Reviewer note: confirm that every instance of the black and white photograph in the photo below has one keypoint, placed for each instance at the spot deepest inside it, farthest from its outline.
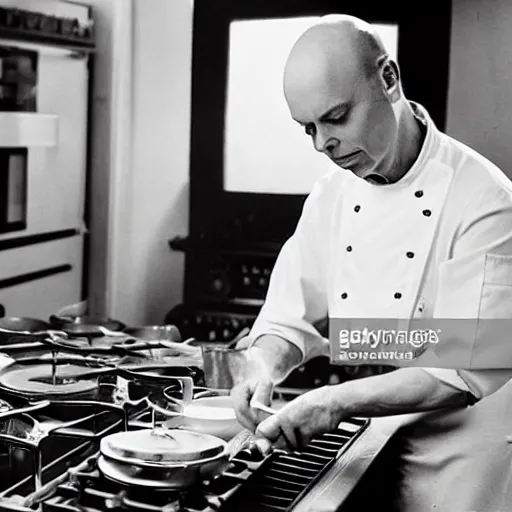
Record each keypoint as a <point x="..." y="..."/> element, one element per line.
<point x="255" y="256"/>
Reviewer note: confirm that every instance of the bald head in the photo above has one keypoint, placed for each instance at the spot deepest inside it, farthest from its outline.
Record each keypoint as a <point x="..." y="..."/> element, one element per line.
<point x="345" y="92"/>
<point x="338" y="45"/>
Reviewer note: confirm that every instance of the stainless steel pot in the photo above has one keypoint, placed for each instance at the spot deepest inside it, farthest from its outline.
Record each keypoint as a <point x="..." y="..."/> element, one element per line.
<point x="223" y="367"/>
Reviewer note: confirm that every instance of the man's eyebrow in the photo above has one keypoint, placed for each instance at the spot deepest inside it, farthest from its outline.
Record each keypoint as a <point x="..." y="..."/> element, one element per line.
<point x="336" y="109"/>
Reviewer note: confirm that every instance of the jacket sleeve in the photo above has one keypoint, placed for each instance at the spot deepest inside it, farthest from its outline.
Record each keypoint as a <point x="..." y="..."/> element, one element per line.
<point x="478" y="284"/>
<point x="297" y="295"/>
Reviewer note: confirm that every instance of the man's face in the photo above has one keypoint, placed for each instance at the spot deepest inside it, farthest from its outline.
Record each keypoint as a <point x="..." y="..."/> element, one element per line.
<point x="349" y="117"/>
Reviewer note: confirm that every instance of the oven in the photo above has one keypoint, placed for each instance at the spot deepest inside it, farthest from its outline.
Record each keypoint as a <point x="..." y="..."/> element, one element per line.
<point x="44" y="102"/>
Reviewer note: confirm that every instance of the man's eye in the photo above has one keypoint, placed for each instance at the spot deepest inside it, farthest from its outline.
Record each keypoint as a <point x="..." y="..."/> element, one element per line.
<point x="337" y="120"/>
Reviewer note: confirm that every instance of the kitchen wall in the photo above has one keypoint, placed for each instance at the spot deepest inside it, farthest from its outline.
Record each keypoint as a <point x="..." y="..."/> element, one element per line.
<point x="161" y="125"/>
<point x="141" y="152"/>
<point x="480" y="93"/>
<point x="150" y="137"/>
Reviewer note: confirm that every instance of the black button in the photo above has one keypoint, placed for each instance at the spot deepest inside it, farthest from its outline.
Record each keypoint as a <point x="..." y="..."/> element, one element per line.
<point x="357" y="208"/>
<point x="398" y="295"/>
<point x="349" y="248"/>
<point x="410" y="254"/>
<point x="344" y="295"/>
<point x="418" y="193"/>
<point x="427" y="213"/>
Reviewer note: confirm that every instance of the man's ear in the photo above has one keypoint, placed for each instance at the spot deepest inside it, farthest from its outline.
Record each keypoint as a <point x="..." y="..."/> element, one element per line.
<point x="390" y="76"/>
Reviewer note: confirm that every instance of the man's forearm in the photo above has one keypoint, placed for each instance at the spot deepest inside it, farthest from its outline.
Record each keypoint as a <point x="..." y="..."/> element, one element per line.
<point x="279" y="355"/>
<point x="407" y="390"/>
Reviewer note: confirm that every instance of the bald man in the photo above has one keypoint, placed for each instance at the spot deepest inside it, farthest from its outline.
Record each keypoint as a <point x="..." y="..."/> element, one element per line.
<point x="412" y="224"/>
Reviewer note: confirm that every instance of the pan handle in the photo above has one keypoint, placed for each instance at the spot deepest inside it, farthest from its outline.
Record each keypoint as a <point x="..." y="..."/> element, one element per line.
<point x="187" y="392"/>
<point x="187" y="389"/>
<point x="164" y="412"/>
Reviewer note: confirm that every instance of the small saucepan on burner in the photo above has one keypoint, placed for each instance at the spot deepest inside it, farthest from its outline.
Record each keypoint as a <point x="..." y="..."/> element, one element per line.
<point x="223" y="366"/>
<point x="162" y="458"/>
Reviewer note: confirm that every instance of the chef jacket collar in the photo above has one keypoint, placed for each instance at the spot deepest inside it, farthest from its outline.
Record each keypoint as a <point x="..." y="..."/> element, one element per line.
<point x="429" y="147"/>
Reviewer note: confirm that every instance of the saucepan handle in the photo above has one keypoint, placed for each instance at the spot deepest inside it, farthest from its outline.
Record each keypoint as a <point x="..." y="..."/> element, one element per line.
<point x="187" y="392"/>
<point x="161" y="410"/>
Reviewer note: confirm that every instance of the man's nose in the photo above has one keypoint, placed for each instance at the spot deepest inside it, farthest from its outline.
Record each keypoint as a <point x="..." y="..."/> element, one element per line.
<point x="325" y="143"/>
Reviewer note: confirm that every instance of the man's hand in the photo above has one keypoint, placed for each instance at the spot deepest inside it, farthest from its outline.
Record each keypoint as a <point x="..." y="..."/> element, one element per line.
<point x="258" y="386"/>
<point x="269" y="361"/>
<point x="309" y="415"/>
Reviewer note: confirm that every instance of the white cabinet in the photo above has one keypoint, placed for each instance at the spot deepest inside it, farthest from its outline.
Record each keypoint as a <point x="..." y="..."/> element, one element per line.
<point x="38" y="280"/>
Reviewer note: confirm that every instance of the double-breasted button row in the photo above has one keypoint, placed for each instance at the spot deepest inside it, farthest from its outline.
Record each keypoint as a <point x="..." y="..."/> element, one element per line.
<point x="397" y="295"/>
<point x="426" y="212"/>
<point x="409" y="254"/>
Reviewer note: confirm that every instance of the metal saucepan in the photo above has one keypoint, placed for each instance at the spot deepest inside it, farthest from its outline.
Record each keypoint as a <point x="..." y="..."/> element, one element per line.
<point x="162" y="458"/>
<point x="223" y="366"/>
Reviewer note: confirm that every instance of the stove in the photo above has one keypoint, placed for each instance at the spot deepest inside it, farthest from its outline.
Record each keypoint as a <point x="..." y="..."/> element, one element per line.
<point x="50" y="459"/>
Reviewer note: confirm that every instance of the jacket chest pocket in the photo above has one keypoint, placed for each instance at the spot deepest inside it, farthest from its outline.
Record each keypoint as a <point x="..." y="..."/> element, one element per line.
<point x="475" y="297"/>
<point x="496" y="296"/>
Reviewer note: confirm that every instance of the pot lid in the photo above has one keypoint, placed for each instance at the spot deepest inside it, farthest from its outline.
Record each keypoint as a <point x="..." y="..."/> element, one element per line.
<point x="162" y="445"/>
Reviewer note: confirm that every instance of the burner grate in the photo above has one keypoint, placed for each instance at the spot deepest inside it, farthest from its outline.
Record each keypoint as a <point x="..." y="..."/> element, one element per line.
<point x="284" y="478"/>
<point x="87" y="490"/>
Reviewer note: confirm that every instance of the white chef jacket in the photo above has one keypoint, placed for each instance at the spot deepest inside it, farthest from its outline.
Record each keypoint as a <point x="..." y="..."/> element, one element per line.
<point x="436" y="244"/>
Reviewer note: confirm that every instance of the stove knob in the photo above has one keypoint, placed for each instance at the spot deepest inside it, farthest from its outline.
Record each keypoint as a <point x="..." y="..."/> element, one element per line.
<point x="218" y="283"/>
<point x="49" y="24"/>
<point x="13" y="18"/>
<point x="32" y="20"/>
<point x="68" y="27"/>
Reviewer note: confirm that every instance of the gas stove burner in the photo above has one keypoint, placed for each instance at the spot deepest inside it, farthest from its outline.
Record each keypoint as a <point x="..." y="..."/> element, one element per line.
<point x="39" y="436"/>
<point x="44" y="380"/>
